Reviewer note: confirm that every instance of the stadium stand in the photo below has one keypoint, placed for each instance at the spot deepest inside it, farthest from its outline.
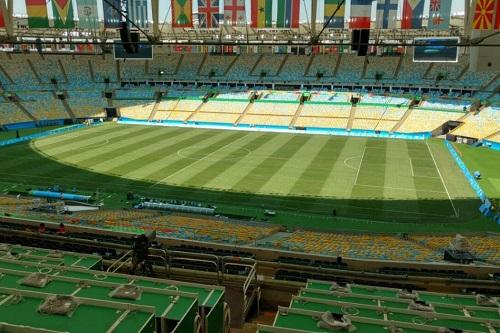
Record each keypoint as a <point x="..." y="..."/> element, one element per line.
<point x="384" y="66"/>
<point x="424" y="120"/>
<point x="326" y="305"/>
<point x="323" y="64"/>
<point x="480" y="124"/>
<point x="268" y="64"/>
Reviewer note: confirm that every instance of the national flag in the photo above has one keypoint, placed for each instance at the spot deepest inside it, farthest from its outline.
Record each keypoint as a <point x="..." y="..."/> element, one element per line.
<point x="87" y="14"/>
<point x="112" y="17"/>
<point x="208" y="14"/>
<point x="2" y="21"/>
<point x="360" y="14"/>
<point x="497" y="16"/>
<point x="338" y="20"/>
<point x="387" y="11"/>
<point x="262" y="13"/>
<point x="182" y="14"/>
<point x="234" y="12"/>
<point x="37" y="13"/>
<point x="413" y="11"/>
<point x="483" y="15"/>
<point x="137" y="11"/>
<point x="439" y="14"/>
<point x="63" y="14"/>
<point x="288" y="14"/>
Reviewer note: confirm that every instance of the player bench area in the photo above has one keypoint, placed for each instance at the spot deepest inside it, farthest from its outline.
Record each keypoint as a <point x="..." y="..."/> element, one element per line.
<point x="178" y="306"/>
<point x="323" y="305"/>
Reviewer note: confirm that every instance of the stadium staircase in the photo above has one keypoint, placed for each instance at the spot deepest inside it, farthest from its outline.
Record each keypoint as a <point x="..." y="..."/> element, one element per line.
<point x="231" y="65"/>
<point x="155" y="107"/>
<point x="118" y="71"/>
<point x="398" y="67"/>
<point x="365" y="67"/>
<point x="250" y="105"/>
<point x="282" y="65"/>
<point x="256" y="64"/>
<point x="296" y="115"/>
<point x="24" y="110"/>
<point x="462" y="72"/>
<point x="6" y="75"/>
<point x="68" y="109"/>
<point x="428" y="71"/>
<point x="198" y="71"/>
<point x="91" y="71"/>
<point x="308" y="67"/>
<point x="63" y="71"/>
<point x="30" y="64"/>
<point x="492" y="135"/>
<point x="195" y="112"/>
<point x="337" y="65"/>
<point x="402" y="120"/>
<point x="181" y="58"/>
<point x="352" y="115"/>
<point x="489" y="83"/>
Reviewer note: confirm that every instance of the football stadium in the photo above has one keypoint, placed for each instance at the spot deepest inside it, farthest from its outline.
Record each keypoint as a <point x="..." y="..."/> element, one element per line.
<point x="272" y="166"/>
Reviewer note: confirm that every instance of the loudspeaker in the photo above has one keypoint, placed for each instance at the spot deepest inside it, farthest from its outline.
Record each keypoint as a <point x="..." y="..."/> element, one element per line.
<point x="355" y="40"/>
<point x="363" y="42"/>
<point x="129" y="40"/>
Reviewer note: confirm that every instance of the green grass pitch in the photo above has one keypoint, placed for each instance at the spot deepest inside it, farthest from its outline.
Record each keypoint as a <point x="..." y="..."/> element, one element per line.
<point x="406" y="185"/>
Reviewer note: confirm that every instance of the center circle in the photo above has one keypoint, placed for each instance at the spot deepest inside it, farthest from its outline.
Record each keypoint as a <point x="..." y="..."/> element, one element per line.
<point x="223" y="153"/>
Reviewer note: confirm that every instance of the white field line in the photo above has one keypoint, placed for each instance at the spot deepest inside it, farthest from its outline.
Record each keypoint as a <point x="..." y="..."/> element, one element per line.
<point x="411" y="168"/>
<point x="442" y="180"/>
<point x="359" y="168"/>
<point x="197" y="161"/>
<point x="399" y="188"/>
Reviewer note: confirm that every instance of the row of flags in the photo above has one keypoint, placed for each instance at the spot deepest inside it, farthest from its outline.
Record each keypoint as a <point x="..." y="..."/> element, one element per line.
<point x="486" y="13"/>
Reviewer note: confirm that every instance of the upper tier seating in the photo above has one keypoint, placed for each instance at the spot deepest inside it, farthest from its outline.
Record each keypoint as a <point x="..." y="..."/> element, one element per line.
<point x="351" y="68"/>
<point x="189" y="66"/>
<point x="131" y="70"/>
<point x="386" y="66"/>
<point x="294" y="67"/>
<point x="104" y="68"/>
<point x="164" y="62"/>
<point x="242" y="67"/>
<point x="269" y="64"/>
<point x="324" y="64"/>
<point x="216" y="65"/>
<point x="48" y="68"/>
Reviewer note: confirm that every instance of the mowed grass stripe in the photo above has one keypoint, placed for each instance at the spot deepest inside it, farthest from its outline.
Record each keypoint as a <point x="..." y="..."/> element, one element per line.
<point x="69" y="138"/>
<point x="371" y="173"/>
<point x="290" y="172"/>
<point x="237" y="171"/>
<point x="159" y="153"/>
<point x="399" y="186"/>
<point x="314" y="177"/>
<point x="217" y="168"/>
<point x="137" y="163"/>
<point x="214" y="143"/>
<point x="347" y="156"/>
<point x="109" y="156"/>
<point x="204" y="159"/>
<point x="98" y="141"/>
<point x="260" y="175"/>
